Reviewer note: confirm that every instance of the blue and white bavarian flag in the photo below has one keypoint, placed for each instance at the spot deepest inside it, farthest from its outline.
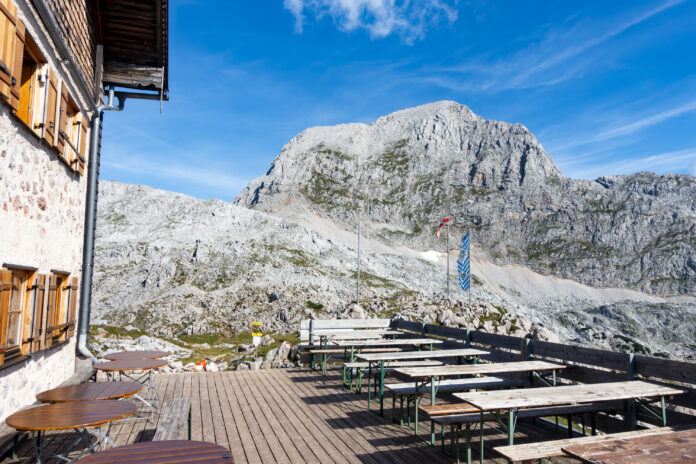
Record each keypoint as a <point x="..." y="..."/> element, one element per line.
<point x="463" y="263"/>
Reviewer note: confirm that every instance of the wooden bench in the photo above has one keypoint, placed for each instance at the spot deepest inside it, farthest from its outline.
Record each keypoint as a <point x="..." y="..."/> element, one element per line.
<point x="311" y="330"/>
<point x="531" y="452"/>
<point x="354" y="366"/>
<point x="466" y="419"/>
<point x="174" y="420"/>
<point x="325" y="352"/>
<point x="407" y="390"/>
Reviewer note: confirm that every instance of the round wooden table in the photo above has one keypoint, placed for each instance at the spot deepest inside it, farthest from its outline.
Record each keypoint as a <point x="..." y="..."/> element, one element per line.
<point x="79" y="416"/>
<point x="161" y="452"/>
<point x="90" y="391"/>
<point x="131" y="364"/>
<point x="124" y="366"/>
<point x="148" y="354"/>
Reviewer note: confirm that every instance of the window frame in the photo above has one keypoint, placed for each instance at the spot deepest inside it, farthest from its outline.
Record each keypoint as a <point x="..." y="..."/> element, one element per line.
<point x="34" y="107"/>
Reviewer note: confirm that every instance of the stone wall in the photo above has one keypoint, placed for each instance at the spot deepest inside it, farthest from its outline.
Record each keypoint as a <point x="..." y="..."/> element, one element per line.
<point x="20" y="383"/>
<point x="41" y="202"/>
<point x="42" y="206"/>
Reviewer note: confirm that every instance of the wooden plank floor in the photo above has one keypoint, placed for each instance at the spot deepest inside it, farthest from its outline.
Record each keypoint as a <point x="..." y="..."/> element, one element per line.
<point x="290" y="416"/>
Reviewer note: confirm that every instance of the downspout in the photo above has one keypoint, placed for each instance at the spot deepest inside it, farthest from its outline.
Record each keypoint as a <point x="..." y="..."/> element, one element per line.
<point x="90" y="223"/>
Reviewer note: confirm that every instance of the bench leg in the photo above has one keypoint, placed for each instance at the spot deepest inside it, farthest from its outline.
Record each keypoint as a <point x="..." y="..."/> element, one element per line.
<point x="481" y="437"/>
<point x="569" y="418"/>
<point x="593" y="423"/>
<point x="468" y="443"/>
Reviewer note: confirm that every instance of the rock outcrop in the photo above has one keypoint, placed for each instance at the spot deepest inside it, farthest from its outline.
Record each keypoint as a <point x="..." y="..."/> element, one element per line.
<point x="409" y="169"/>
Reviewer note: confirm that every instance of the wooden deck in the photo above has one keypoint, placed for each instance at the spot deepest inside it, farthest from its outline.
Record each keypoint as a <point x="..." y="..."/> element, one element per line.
<point x="290" y="416"/>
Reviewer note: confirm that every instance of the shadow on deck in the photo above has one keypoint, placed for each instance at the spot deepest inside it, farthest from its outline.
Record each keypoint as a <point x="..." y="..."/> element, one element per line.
<point x="291" y="416"/>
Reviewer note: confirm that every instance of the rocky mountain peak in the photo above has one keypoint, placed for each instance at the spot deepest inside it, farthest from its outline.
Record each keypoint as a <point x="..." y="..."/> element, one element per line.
<point x="409" y="169"/>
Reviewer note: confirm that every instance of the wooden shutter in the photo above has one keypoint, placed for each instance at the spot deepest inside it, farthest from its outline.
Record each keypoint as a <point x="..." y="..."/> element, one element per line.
<point x="62" y="123"/>
<point x="39" y="313"/>
<point x="72" y="311"/>
<point x="27" y="314"/>
<point x="17" y="59"/>
<point x="5" y="297"/>
<point x="8" y="33"/>
<point x="80" y="165"/>
<point x="50" y="127"/>
<point x="51" y="311"/>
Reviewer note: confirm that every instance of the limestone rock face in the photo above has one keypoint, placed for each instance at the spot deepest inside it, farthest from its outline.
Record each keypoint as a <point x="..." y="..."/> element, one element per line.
<point x="409" y="169"/>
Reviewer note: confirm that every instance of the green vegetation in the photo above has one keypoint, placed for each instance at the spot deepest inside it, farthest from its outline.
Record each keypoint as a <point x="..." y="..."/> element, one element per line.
<point x="315" y="306"/>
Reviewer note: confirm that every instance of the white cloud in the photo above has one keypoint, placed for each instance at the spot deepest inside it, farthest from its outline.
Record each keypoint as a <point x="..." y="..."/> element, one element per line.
<point x="669" y="162"/>
<point x="692" y="168"/>
<point x="565" y="52"/>
<point x="647" y="121"/>
<point x="213" y="178"/>
<point x="406" y="18"/>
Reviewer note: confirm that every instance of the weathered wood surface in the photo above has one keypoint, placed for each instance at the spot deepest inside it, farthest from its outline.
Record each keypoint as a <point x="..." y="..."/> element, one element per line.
<point x="341" y="351"/>
<point x="553" y="448"/>
<point x="452" y="385"/>
<point x="472" y="369"/>
<point x="159" y="452"/>
<point x="141" y="354"/>
<point x="388" y="342"/>
<point x="289" y="416"/>
<point x="423" y="354"/>
<point x="346" y="324"/>
<point x="565" y="394"/>
<point x="90" y="391"/>
<point x="132" y="364"/>
<point x="174" y="420"/>
<point x="667" y="448"/>
<point x="348" y="334"/>
<point x="421" y="362"/>
<point x="62" y="416"/>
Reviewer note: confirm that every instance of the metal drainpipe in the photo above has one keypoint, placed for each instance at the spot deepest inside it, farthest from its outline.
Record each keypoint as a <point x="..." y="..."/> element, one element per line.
<point x="90" y="224"/>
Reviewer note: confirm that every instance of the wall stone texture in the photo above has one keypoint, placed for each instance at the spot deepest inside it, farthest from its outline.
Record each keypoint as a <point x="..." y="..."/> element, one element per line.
<point x="42" y="207"/>
<point x="20" y="384"/>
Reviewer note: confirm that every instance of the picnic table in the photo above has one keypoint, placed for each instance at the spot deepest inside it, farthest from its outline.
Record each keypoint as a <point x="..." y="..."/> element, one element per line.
<point x="356" y="346"/>
<point x="378" y="361"/>
<point x="90" y="391"/>
<point x="163" y="452"/>
<point x="141" y="354"/>
<point x="669" y="448"/>
<point x="82" y="416"/>
<point x="509" y="402"/>
<point x="424" y="375"/>
<point x="125" y="367"/>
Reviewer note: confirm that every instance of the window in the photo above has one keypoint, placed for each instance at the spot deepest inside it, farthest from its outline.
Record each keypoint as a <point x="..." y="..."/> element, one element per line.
<point x="57" y="307"/>
<point x="29" y="86"/>
<point x="16" y="308"/>
<point x="69" y="133"/>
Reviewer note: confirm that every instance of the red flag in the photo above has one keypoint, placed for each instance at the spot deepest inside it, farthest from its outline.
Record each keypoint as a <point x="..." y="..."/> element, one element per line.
<point x="444" y="221"/>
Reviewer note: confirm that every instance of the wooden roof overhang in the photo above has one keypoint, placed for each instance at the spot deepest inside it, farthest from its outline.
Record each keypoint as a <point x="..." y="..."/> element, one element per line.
<point x="135" y="37"/>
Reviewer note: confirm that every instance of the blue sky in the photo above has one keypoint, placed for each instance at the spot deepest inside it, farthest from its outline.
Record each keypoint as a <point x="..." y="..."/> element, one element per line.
<point x="607" y="87"/>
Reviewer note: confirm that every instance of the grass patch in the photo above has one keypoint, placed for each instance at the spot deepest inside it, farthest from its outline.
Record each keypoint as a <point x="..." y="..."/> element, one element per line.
<point x="114" y="330"/>
<point x="315" y="306"/>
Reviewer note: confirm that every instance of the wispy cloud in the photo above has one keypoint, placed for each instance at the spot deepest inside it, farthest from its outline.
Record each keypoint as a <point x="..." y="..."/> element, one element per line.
<point x="381" y="18"/>
<point x="564" y="53"/>
<point x="212" y="178"/>
<point x="668" y="162"/>
<point x="648" y="121"/>
<point x="629" y="127"/>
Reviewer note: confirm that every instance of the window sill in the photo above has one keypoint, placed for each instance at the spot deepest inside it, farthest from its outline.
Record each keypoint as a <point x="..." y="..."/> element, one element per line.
<point x="15" y="362"/>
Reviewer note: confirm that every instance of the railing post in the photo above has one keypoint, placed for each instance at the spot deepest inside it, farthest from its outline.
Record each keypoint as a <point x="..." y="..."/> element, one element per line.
<point x="630" y="405"/>
<point x="423" y="325"/>
<point x="311" y="339"/>
<point x="468" y="338"/>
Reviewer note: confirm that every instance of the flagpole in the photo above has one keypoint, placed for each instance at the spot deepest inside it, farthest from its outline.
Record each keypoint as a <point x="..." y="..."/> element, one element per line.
<point x="448" y="262"/>
<point x="357" y="285"/>
<point x="471" y="281"/>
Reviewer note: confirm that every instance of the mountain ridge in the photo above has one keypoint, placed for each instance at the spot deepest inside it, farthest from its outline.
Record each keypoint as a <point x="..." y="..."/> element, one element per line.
<point x="408" y="169"/>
